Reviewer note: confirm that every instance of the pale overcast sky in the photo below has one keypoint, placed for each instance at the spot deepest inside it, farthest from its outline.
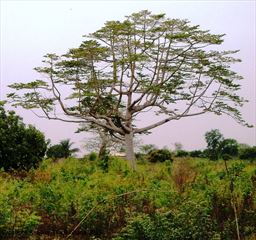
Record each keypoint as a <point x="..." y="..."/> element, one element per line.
<point x="30" y="29"/>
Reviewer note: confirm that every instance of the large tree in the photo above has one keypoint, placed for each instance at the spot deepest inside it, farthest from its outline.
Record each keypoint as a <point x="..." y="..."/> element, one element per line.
<point x="145" y="63"/>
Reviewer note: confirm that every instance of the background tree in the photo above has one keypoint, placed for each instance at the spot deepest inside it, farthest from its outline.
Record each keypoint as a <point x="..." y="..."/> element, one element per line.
<point x="66" y="148"/>
<point x="196" y="154"/>
<point x="146" y="148"/>
<point x="146" y="62"/>
<point x="213" y="139"/>
<point x="229" y="147"/>
<point x="218" y="146"/>
<point x="102" y="140"/>
<point x="178" y="146"/>
<point x="21" y="146"/>
<point x="159" y="155"/>
<point x="248" y="153"/>
<point x="54" y="152"/>
<point x="61" y="150"/>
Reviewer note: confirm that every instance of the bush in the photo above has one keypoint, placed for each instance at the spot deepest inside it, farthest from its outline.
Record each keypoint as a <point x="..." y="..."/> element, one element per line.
<point x="61" y="150"/>
<point x="196" y="154"/>
<point x="183" y="174"/>
<point x="181" y="153"/>
<point x="159" y="155"/>
<point x="21" y="147"/>
<point x="54" y="152"/>
<point x="93" y="156"/>
<point x="248" y="153"/>
<point x="189" y="221"/>
<point x="185" y="199"/>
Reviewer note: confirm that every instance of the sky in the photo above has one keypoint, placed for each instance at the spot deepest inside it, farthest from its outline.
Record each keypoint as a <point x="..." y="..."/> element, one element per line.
<point x="30" y="29"/>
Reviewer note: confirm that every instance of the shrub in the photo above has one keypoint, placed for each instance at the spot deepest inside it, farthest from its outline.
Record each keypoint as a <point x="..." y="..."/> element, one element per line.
<point x="181" y="153"/>
<point x="93" y="156"/>
<point x="61" y="150"/>
<point x="159" y="155"/>
<point x="183" y="174"/>
<point x="54" y="152"/>
<point x="248" y="153"/>
<point x="196" y="154"/>
<point x="21" y="147"/>
<point x="189" y="221"/>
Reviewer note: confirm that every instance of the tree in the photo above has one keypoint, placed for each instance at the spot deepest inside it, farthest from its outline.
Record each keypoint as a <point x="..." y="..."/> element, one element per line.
<point x="61" y="150"/>
<point x="196" y="154"/>
<point x="248" y="153"/>
<point x="21" y="146"/>
<point x="66" y="148"/>
<point x="126" y="68"/>
<point x="178" y="146"/>
<point x="214" y="139"/>
<point x="229" y="147"/>
<point x="145" y="149"/>
<point x="218" y="146"/>
<point x="54" y="152"/>
<point x="102" y="140"/>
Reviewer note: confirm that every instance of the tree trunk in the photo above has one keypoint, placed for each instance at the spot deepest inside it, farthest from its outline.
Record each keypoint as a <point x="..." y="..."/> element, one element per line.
<point x="103" y="143"/>
<point x="103" y="149"/>
<point x="129" y="150"/>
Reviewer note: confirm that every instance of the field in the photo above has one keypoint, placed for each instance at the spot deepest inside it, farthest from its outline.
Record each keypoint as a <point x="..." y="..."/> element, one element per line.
<point x="77" y="199"/>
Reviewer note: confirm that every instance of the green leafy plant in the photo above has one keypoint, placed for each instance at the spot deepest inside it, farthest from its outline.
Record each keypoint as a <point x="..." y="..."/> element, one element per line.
<point x="61" y="150"/>
<point x="248" y="153"/>
<point x="21" y="146"/>
<point x="159" y="155"/>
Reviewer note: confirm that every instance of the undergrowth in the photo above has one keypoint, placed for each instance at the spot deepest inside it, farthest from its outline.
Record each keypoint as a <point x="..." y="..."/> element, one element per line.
<point x="183" y="199"/>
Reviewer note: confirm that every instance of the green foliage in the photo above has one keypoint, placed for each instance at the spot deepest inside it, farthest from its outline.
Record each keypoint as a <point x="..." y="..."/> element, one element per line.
<point x="196" y="154"/>
<point x="21" y="147"/>
<point x="181" y="153"/>
<point x="218" y="147"/>
<point x="145" y="149"/>
<point x="61" y="150"/>
<point x="187" y="222"/>
<point x="213" y="139"/>
<point x="159" y="155"/>
<point x="183" y="199"/>
<point x="147" y="61"/>
<point x="54" y="152"/>
<point x="93" y="156"/>
<point x="104" y="161"/>
<point x="248" y="153"/>
<point x="229" y="147"/>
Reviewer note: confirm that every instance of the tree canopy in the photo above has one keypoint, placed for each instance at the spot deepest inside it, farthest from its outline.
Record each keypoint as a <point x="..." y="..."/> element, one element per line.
<point x="147" y="62"/>
<point x="62" y="150"/>
<point x="21" y="146"/>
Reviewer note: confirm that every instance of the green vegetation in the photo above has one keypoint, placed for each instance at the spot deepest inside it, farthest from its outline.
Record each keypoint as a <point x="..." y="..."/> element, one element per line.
<point x="21" y="147"/>
<point x="248" y="153"/>
<point x="184" y="199"/>
<point x="219" y="147"/>
<point x="159" y="155"/>
<point x="147" y="62"/>
<point x="61" y="150"/>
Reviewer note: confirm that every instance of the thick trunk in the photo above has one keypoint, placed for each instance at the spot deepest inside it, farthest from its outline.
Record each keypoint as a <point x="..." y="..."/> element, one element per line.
<point x="129" y="150"/>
